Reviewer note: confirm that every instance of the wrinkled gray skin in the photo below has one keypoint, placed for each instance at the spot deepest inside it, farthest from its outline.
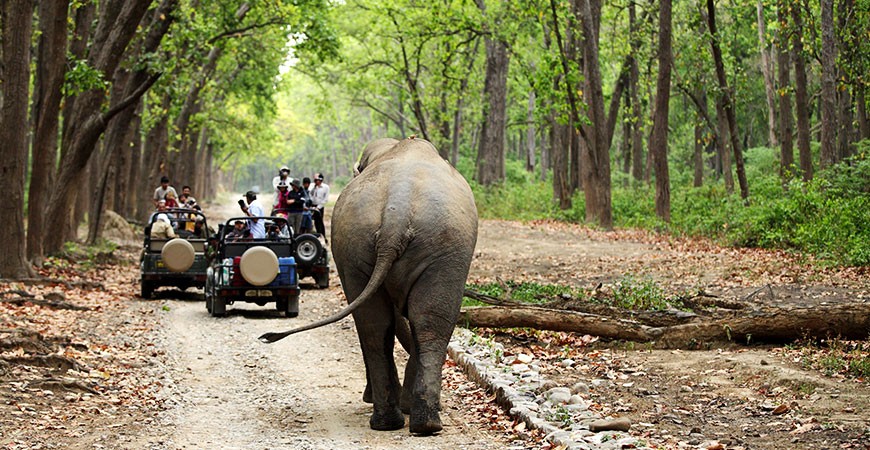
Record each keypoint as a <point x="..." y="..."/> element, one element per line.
<point x="403" y="235"/>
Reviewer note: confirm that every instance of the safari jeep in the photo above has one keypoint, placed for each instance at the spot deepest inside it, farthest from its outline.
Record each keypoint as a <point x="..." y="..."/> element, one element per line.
<point x="261" y="271"/>
<point x="178" y="262"/>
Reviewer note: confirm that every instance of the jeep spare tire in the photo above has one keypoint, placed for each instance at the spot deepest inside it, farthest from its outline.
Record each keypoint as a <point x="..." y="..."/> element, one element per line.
<point x="259" y="265"/>
<point x="308" y="248"/>
<point x="177" y="255"/>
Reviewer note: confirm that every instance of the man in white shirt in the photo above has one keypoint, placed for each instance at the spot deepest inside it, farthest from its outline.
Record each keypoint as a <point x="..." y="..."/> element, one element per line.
<point x="319" y="194"/>
<point x="257" y="227"/>
<point x="160" y="192"/>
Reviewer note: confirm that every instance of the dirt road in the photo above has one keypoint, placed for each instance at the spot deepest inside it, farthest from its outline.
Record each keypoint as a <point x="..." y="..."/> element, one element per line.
<point x="304" y="392"/>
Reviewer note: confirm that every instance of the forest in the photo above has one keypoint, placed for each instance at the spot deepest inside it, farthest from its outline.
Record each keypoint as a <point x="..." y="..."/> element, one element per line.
<point x="737" y="119"/>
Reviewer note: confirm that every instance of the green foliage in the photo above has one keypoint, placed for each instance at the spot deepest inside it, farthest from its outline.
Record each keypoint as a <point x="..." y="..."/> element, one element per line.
<point x="639" y="294"/>
<point x="525" y="292"/>
<point x="837" y="357"/>
<point x="82" y="77"/>
<point x="520" y="197"/>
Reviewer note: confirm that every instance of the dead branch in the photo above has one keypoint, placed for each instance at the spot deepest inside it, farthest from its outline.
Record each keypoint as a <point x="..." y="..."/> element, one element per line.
<point x="85" y="284"/>
<point x="55" y="384"/>
<point x="53" y="362"/>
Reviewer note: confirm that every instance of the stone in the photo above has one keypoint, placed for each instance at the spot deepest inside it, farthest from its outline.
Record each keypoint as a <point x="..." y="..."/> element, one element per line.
<point x="559" y="395"/>
<point x="580" y="388"/>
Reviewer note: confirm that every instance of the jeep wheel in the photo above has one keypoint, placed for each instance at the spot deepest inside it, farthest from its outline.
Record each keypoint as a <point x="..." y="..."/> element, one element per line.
<point x="292" y="306"/>
<point x="147" y="289"/>
<point x="308" y="249"/>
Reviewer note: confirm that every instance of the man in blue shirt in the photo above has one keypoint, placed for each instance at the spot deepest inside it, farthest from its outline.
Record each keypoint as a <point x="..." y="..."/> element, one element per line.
<point x="258" y="229"/>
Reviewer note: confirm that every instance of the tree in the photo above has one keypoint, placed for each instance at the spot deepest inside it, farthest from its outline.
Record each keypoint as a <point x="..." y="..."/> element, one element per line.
<point x="829" y="153"/>
<point x="16" y="25"/>
<point x="658" y="142"/>
<point x="116" y="26"/>
<point x="491" y="151"/>
<point x="786" y="152"/>
<point x="801" y="96"/>
<point x="727" y="100"/>
<point x="47" y="95"/>
<point x="767" y="72"/>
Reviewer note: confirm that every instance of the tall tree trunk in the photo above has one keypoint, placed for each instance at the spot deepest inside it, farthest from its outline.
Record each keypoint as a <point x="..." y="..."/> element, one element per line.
<point x="767" y="72"/>
<point x="724" y="155"/>
<point x="700" y="141"/>
<point x="117" y="25"/>
<point x="802" y="101"/>
<point x="846" y="129"/>
<point x="829" y="154"/>
<point x="17" y="21"/>
<point x="786" y="149"/>
<point x="728" y="101"/>
<point x="155" y="158"/>
<point x="596" y="158"/>
<point x="50" y="68"/>
<point x="136" y="168"/>
<point x="491" y="152"/>
<point x="658" y="145"/>
<point x="530" y="133"/>
<point x="633" y="82"/>
<point x="560" y="138"/>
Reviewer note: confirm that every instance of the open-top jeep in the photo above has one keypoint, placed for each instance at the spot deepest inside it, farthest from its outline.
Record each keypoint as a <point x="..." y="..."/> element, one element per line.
<point x="262" y="270"/>
<point x="179" y="261"/>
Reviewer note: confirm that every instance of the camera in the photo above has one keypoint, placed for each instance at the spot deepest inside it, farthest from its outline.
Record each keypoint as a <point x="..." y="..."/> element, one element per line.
<point x="241" y="203"/>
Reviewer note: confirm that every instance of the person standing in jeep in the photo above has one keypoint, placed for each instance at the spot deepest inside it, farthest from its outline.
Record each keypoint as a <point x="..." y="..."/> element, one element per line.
<point x="319" y="197"/>
<point x="253" y="209"/>
<point x="162" y="190"/>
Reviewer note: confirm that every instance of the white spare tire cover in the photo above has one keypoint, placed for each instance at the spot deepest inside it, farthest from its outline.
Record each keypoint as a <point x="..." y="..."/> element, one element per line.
<point x="178" y="255"/>
<point x="259" y="265"/>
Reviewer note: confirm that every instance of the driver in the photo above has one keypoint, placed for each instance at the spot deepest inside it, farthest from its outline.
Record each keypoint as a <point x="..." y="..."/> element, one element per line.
<point x="238" y="233"/>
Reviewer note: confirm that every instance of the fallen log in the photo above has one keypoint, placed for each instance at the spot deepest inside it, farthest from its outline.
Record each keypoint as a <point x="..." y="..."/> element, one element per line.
<point x="845" y="320"/>
<point x="50" y="303"/>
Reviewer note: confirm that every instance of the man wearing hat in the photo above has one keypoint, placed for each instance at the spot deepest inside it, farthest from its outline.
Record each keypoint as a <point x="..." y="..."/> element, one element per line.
<point x="283" y="175"/>
<point x="162" y="228"/>
<point x="319" y="197"/>
<point x="294" y="205"/>
<point x="163" y="189"/>
<point x="253" y="209"/>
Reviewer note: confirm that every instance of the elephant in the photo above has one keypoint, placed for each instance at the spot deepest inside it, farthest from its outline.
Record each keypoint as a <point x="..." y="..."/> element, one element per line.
<point x="403" y="236"/>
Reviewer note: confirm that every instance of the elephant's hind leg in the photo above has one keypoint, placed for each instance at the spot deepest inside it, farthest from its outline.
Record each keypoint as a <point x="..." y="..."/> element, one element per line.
<point x="433" y="311"/>
<point x="376" y="329"/>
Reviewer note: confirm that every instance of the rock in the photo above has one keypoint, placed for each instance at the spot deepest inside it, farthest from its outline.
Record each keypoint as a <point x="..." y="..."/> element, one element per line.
<point x="685" y="388"/>
<point x="618" y="424"/>
<point x="577" y="400"/>
<point x="580" y="388"/>
<point x="559" y="395"/>
<point x="567" y="363"/>
<point x="520" y="368"/>
<point x="524" y="358"/>
<point x="600" y="382"/>
<point x="114" y="228"/>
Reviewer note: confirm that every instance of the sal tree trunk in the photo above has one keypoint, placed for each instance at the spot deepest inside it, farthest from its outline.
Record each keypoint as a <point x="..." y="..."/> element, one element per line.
<point x="659" y="139"/>
<point x="728" y="101"/>
<point x="50" y="68"/>
<point x="786" y="149"/>
<point x="829" y="154"/>
<point x="17" y="19"/>
<point x="802" y="101"/>
<point x="767" y="72"/>
<point x="491" y="152"/>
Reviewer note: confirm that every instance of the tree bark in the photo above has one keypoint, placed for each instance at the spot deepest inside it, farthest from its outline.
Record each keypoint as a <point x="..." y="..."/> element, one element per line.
<point x="786" y="149"/>
<point x="700" y="140"/>
<point x="828" y="150"/>
<point x="17" y="22"/>
<point x="491" y="151"/>
<point x="634" y="81"/>
<point x="728" y="101"/>
<point x="116" y="27"/>
<point x="530" y="132"/>
<point x="596" y="157"/>
<point x="849" y="321"/>
<point x="845" y="121"/>
<point x="50" y="68"/>
<point x="658" y="146"/>
<point x="802" y="101"/>
<point x="722" y="140"/>
<point x="767" y="73"/>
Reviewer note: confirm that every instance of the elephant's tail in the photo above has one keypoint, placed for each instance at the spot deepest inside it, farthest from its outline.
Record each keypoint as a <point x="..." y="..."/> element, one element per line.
<point x="379" y="273"/>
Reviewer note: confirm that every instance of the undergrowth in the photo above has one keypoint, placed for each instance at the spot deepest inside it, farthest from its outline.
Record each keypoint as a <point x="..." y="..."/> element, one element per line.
<point x="827" y="217"/>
